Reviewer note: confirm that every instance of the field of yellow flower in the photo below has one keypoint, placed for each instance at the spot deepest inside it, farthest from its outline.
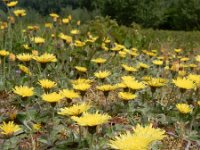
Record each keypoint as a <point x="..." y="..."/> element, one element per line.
<point x="67" y="85"/>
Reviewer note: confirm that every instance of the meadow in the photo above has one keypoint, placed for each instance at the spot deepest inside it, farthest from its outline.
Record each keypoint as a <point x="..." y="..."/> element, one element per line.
<point x="96" y="85"/>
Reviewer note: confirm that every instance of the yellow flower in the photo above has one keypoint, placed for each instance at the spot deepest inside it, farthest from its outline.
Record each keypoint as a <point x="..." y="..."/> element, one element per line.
<point x="74" y="110"/>
<point x="81" y="69"/>
<point x="126" y="95"/>
<point x="149" y="133"/>
<point x="38" y="40"/>
<point x="48" y="25"/>
<point x="81" y="80"/>
<point x="25" y="69"/>
<point x="122" y="54"/>
<point x="36" y="126"/>
<point x="71" y="94"/>
<point x="47" y="84"/>
<point x="134" y="84"/>
<point x="81" y="87"/>
<point x="19" y="12"/>
<point x="156" y="82"/>
<point x="195" y="78"/>
<point x="143" y="65"/>
<point x="178" y="50"/>
<point x="88" y="119"/>
<point x="24" y="57"/>
<point x="198" y="102"/>
<point x="102" y="74"/>
<point x="65" y="20"/>
<point x="79" y="43"/>
<point x="129" y="142"/>
<point x="141" y="139"/>
<point x="12" y="4"/>
<point x="23" y="91"/>
<point x="184" y="83"/>
<point x="197" y="58"/>
<point x="184" y="59"/>
<point x="52" y="97"/>
<point x="4" y="53"/>
<point x="128" y="68"/>
<point x="66" y="38"/>
<point x="9" y="128"/>
<point x="183" y="108"/>
<point x="54" y="15"/>
<point x="106" y="87"/>
<point x="45" y="58"/>
<point x="157" y="62"/>
<point x="75" y="31"/>
<point x="99" y="60"/>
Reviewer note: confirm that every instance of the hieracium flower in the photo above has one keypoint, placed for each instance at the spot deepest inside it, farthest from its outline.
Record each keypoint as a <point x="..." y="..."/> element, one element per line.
<point x="25" y="69"/>
<point x="81" y="69"/>
<point x="23" y="91"/>
<point x="4" y="53"/>
<point x="52" y="97"/>
<point x="74" y="110"/>
<point x="9" y="128"/>
<point x="183" y="108"/>
<point x="140" y="139"/>
<point x="47" y="84"/>
<point x="126" y="96"/>
<point x="69" y="94"/>
<point x="19" y="12"/>
<point x="24" y="57"/>
<point x="45" y="58"/>
<point x="102" y="74"/>
<point x="184" y="83"/>
<point x="90" y="119"/>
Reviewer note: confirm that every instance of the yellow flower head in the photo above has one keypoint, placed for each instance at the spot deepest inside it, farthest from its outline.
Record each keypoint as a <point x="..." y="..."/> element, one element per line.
<point x="157" y="62"/>
<point x="25" y="69"/>
<point x="12" y="57"/>
<point x="156" y="82"/>
<point x="47" y="84"/>
<point x="24" y="57"/>
<point x="122" y="54"/>
<point x="134" y="84"/>
<point x="52" y="97"/>
<point x="9" y="128"/>
<point x="184" y="83"/>
<point x="74" y="110"/>
<point x="81" y="80"/>
<point x="38" y="40"/>
<point x="70" y="94"/>
<point x="197" y="58"/>
<point x="12" y="4"/>
<point x="128" y="68"/>
<point x="81" y="87"/>
<point x="45" y="58"/>
<point x="195" y="78"/>
<point x="79" y="43"/>
<point x="143" y="65"/>
<point x="81" y="69"/>
<point x="66" y="38"/>
<point x="75" y="31"/>
<point x="106" y="87"/>
<point x="126" y="96"/>
<point x="24" y="91"/>
<point x="99" y="60"/>
<point x="102" y="74"/>
<point x="54" y="15"/>
<point x="65" y="20"/>
<point x="4" y="53"/>
<point x="19" y="12"/>
<point x="178" y="50"/>
<point x="88" y="119"/>
<point x="36" y="126"/>
<point x="141" y="139"/>
<point x="198" y="102"/>
<point x="183" y="108"/>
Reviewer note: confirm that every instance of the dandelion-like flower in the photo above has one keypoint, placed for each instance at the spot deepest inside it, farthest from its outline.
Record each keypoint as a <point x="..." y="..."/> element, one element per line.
<point x="74" y="110"/>
<point x="184" y="83"/>
<point x="45" y="58"/>
<point x="38" y="40"/>
<point x="157" y="62"/>
<point x="23" y="91"/>
<point x="99" y="60"/>
<point x="52" y="97"/>
<point x="102" y="74"/>
<point x="81" y="87"/>
<point x="183" y="108"/>
<point x="81" y="69"/>
<point x="4" y="53"/>
<point x="12" y="4"/>
<point x="47" y="84"/>
<point x="24" y="57"/>
<point x="19" y="12"/>
<point x="25" y="69"/>
<point x="88" y="119"/>
<point x="126" y="96"/>
<point x="197" y="58"/>
<point x="140" y="139"/>
<point x="9" y="128"/>
<point x="70" y="94"/>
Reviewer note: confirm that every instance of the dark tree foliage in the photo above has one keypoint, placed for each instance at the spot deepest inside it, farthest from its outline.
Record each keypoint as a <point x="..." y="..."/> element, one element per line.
<point x="161" y="14"/>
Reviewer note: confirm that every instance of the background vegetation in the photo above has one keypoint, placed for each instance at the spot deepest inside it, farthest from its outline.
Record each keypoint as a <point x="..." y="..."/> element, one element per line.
<point x="159" y="14"/>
